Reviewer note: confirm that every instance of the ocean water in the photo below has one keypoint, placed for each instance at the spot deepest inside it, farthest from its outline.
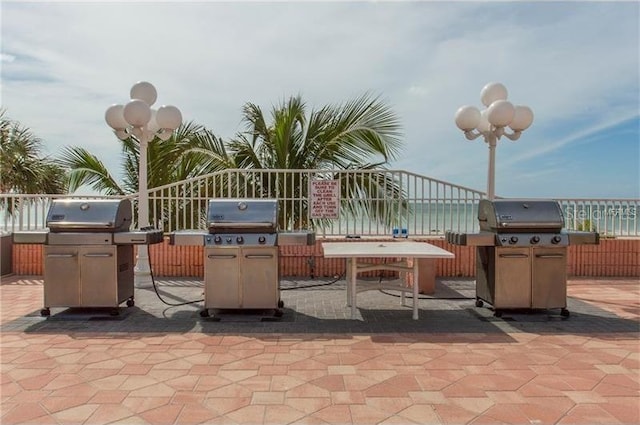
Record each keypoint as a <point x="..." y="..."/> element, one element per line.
<point x="609" y="219"/>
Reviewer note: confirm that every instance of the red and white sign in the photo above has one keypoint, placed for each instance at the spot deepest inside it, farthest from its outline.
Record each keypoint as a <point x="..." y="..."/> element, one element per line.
<point x="324" y="198"/>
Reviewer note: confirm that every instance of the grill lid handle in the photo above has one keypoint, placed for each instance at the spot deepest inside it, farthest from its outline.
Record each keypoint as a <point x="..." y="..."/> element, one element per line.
<point x="531" y="224"/>
<point x="80" y="224"/>
<point x="241" y="225"/>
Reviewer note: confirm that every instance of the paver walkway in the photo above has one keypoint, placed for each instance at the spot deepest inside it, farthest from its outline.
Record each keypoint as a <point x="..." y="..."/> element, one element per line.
<point x="457" y="364"/>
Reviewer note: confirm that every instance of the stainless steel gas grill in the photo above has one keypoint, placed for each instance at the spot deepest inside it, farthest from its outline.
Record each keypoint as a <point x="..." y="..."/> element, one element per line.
<point x="241" y="254"/>
<point x="521" y="254"/>
<point x="88" y="253"/>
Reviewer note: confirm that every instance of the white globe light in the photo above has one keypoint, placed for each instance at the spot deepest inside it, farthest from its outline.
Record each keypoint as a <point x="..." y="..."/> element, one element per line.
<point x="137" y="113"/>
<point x="467" y="117"/>
<point x="152" y="125"/>
<point x="121" y="134"/>
<point x="165" y="134"/>
<point x="115" y="118"/>
<point x="144" y="91"/>
<point x="483" y="124"/>
<point x="492" y="92"/>
<point x="501" y="113"/>
<point x="522" y="119"/>
<point x="169" y="117"/>
<point x="137" y="132"/>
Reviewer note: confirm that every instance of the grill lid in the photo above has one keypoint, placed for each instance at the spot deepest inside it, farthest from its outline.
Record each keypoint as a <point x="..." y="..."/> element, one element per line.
<point x="520" y="215"/>
<point x="89" y="215"/>
<point x="242" y="215"/>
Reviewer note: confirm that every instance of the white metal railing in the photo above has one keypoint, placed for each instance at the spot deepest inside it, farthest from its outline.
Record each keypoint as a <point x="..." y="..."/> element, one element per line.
<point x="29" y="211"/>
<point x="609" y="217"/>
<point x="372" y="202"/>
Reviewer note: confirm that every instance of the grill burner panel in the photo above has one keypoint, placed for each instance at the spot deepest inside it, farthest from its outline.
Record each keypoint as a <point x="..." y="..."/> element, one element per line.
<point x="532" y="239"/>
<point x="70" y="238"/>
<point x="246" y="239"/>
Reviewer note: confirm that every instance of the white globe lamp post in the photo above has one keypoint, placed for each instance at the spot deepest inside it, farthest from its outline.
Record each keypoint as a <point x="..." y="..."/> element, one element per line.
<point x="137" y="120"/>
<point x="491" y="123"/>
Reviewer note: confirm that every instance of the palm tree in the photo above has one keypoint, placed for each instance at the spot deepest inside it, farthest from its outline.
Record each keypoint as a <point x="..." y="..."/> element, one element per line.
<point x="23" y="169"/>
<point x="167" y="161"/>
<point x="362" y="134"/>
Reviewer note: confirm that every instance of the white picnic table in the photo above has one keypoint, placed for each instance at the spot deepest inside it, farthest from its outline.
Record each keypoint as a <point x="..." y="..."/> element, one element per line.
<point x="353" y="251"/>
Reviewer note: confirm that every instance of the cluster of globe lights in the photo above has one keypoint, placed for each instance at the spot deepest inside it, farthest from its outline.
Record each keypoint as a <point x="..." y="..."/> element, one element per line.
<point x="137" y="118"/>
<point x="491" y="122"/>
<point x="139" y="121"/>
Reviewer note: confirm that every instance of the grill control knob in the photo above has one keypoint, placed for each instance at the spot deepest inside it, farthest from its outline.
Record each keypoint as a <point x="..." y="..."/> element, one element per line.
<point x="217" y="239"/>
<point x="229" y="239"/>
<point x="239" y="240"/>
<point x="513" y="240"/>
<point x="535" y="239"/>
<point x="262" y="239"/>
<point x="556" y="239"/>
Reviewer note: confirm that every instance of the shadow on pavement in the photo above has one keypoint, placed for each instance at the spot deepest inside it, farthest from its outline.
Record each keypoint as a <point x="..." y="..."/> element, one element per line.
<point x="323" y="310"/>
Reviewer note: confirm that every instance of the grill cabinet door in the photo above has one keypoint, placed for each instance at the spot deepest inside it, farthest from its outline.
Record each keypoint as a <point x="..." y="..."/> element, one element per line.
<point x="222" y="277"/>
<point x="513" y="278"/>
<point x="260" y="277"/>
<point x="549" y="278"/>
<point x="98" y="268"/>
<point x="61" y="276"/>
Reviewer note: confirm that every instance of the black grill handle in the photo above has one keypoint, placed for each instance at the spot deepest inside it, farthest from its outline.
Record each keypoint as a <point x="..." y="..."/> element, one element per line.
<point x="99" y="255"/>
<point x="256" y="256"/>
<point x="61" y="255"/>
<point x="222" y="257"/>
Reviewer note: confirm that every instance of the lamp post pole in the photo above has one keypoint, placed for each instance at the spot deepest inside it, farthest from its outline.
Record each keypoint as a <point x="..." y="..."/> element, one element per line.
<point x="136" y="120"/>
<point x="492" y="122"/>
<point x="492" y="141"/>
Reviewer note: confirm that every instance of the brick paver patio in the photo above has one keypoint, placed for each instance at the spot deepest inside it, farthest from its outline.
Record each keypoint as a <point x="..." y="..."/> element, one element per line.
<point x="458" y="364"/>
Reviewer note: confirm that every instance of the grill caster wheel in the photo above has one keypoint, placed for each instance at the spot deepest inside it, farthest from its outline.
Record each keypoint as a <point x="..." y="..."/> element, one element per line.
<point x="277" y="313"/>
<point x="497" y="313"/>
<point x="204" y="313"/>
<point x="565" y="313"/>
<point x="280" y="303"/>
<point x="114" y="312"/>
<point x="130" y="302"/>
<point x="479" y="303"/>
<point x="45" y="312"/>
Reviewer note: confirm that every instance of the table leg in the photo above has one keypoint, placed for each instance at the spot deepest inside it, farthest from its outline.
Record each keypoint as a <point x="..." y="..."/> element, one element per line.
<point x="354" y="276"/>
<point x="348" y="277"/>
<point x="415" y="289"/>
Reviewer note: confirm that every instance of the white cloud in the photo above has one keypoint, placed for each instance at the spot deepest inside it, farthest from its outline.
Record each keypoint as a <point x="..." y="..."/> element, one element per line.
<point x="425" y="58"/>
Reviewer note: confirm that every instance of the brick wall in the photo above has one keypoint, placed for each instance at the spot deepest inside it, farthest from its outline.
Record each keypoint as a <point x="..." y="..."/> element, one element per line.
<point x="612" y="258"/>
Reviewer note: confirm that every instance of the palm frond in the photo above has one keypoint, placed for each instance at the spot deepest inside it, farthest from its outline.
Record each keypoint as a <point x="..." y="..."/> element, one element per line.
<point x="22" y="167"/>
<point x="84" y="168"/>
<point x="361" y="128"/>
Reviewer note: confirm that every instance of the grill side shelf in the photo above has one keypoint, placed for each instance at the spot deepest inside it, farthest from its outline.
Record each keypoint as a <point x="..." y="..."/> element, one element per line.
<point x="31" y="237"/>
<point x="471" y="239"/>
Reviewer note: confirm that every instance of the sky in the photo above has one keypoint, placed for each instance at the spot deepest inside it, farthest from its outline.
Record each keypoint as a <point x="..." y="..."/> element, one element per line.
<point x="575" y="64"/>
